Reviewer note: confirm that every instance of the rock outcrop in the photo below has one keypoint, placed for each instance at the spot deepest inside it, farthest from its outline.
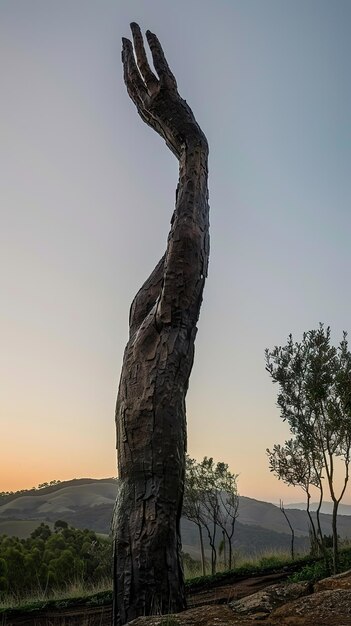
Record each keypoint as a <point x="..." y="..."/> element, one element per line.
<point x="263" y="602"/>
<point x="339" y="581"/>
<point x="328" y="603"/>
<point x="323" y="608"/>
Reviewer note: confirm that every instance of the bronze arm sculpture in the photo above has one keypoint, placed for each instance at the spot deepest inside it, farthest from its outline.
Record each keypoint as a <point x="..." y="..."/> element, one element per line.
<point x="150" y="411"/>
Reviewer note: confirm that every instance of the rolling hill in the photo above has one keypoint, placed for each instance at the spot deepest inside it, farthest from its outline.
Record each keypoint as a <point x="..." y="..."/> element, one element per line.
<point x="327" y="507"/>
<point x="88" y="503"/>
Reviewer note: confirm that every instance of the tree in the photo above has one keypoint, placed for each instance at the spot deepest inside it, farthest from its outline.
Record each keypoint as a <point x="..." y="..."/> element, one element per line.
<point x="227" y="490"/>
<point x="294" y="465"/>
<point x="220" y="503"/>
<point x="43" y="531"/>
<point x="281" y="506"/>
<point x="46" y="561"/>
<point x="150" y="411"/>
<point x="3" y="575"/>
<point x="210" y="505"/>
<point x="192" y="502"/>
<point x="210" y="501"/>
<point x="60" y="525"/>
<point x="314" y="398"/>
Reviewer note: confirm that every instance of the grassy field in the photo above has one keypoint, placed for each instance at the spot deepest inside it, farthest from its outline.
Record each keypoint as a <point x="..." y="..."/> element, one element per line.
<point x="20" y="528"/>
<point x="302" y="567"/>
<point x="96" y="600"/>
<point x="262" y="559"/>
<point x="74" y="591"/>
<point x="77" y="591"/>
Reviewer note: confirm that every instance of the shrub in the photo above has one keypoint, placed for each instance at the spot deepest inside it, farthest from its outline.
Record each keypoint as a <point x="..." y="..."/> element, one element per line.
<point x="311" y="572"/>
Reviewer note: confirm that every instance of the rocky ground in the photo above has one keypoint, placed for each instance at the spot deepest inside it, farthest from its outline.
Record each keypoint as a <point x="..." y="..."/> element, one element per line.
<point x="328" y="603"/>
<point x="257" y="600"/>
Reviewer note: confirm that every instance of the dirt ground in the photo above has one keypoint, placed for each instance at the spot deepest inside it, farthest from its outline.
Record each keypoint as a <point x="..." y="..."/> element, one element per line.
<point x="102" y="616"/>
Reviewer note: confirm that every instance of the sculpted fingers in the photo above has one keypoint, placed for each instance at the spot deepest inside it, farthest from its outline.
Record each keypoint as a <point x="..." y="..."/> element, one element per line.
<point x="135" y="85"/>
<point x="153" y="104"/>
<point x="143" y="64"/>
<point x="160" y="62"/>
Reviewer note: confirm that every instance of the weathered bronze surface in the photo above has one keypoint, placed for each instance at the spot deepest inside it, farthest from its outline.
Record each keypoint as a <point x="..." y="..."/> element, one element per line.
<point x="150" y="412"/>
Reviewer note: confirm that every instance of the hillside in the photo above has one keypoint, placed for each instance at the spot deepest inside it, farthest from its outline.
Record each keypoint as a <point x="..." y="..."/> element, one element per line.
<point x="327" y="507"/>
<point x="88" y="503"/>
<point x="269" y="516"/>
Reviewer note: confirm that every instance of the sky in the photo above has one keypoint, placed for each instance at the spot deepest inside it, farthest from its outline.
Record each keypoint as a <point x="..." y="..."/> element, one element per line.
<point x="87" y="191"/>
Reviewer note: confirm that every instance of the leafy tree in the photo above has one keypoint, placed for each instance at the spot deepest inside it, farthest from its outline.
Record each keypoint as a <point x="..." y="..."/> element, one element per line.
<point x="15" y="561"/>
<point x="210" y="505"/>
<point x="314" y="397"/>
<point x="293" y="465"/>
<point x="227" y="493"/>
<point x="3" y="575"/>
<point x="46" y="560"/>
<point x="43" y="531"/>
<point x="211" y="502"/>
<point x="192" y="502"/>
<point x="60" y="525"/>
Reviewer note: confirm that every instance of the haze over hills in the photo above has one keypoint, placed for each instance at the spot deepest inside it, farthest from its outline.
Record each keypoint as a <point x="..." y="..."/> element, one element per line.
<point x="88" y="503"/>
<point x="327" y="507"/>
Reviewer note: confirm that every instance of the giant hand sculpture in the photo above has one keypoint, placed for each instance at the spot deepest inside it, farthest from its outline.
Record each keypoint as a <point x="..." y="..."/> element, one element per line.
<point x="150" y="412"/>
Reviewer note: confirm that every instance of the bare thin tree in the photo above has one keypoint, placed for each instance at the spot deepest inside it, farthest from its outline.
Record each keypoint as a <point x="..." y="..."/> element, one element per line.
<point x="281" y="506"/>
<point x="150" y="412"/>
<point x="192" y="502"/>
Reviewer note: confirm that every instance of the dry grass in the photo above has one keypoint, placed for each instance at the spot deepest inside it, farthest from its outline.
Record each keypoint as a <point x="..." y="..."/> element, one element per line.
<point x="262" y="559"/>
<point x="79" y="590"/>
<point x="73" y="590"/>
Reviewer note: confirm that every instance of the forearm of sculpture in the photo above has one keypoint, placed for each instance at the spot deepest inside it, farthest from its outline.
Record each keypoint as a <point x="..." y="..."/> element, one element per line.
<point x="188" y="241"/>
<point x="161" y="107"/>
<point x="185" y="262"/>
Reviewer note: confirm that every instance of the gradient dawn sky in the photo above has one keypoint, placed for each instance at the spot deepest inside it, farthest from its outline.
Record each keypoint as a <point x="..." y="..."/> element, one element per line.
<point x="87" y="191"/>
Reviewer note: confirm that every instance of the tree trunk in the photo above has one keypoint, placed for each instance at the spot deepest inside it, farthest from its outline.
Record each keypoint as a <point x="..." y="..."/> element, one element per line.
<point x="212" y="542"/>
<point x="318" y="512"/>
<point x="230" y="543"/>
<point x="150" y="411"/>
<point x="224" y="549"/>
<point x="213" y="551"/>
<point x="335" y="537"/>
<point x="203" y="563"/>
<point x="323" y="550"/>
<point x="230" y="559"/>
<point x="292" y="551"/>
<point x="314" y="539"/>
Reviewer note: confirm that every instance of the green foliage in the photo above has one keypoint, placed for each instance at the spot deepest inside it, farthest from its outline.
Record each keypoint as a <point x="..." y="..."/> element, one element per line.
<point x="60" y="525"/>
<point x="311" y="572"/>
<point x="317" y="569"/>
<point x="211" y="502"/>
<point x="273" y="560"/>
<point x="314" y="398"/>
<point x="328" y="540"/>
<point x="48" y="560"/>
<point x="345" y="560"/>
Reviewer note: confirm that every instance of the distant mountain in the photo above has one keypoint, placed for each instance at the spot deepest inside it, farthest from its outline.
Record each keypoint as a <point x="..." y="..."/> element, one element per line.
<point x="327" y="507"/>
<point x="270" y="517"/>
<point x="88" y="503"/>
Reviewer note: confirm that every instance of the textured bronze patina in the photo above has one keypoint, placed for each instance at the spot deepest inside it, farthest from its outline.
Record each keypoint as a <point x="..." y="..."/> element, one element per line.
<point x="150" y="412"/>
